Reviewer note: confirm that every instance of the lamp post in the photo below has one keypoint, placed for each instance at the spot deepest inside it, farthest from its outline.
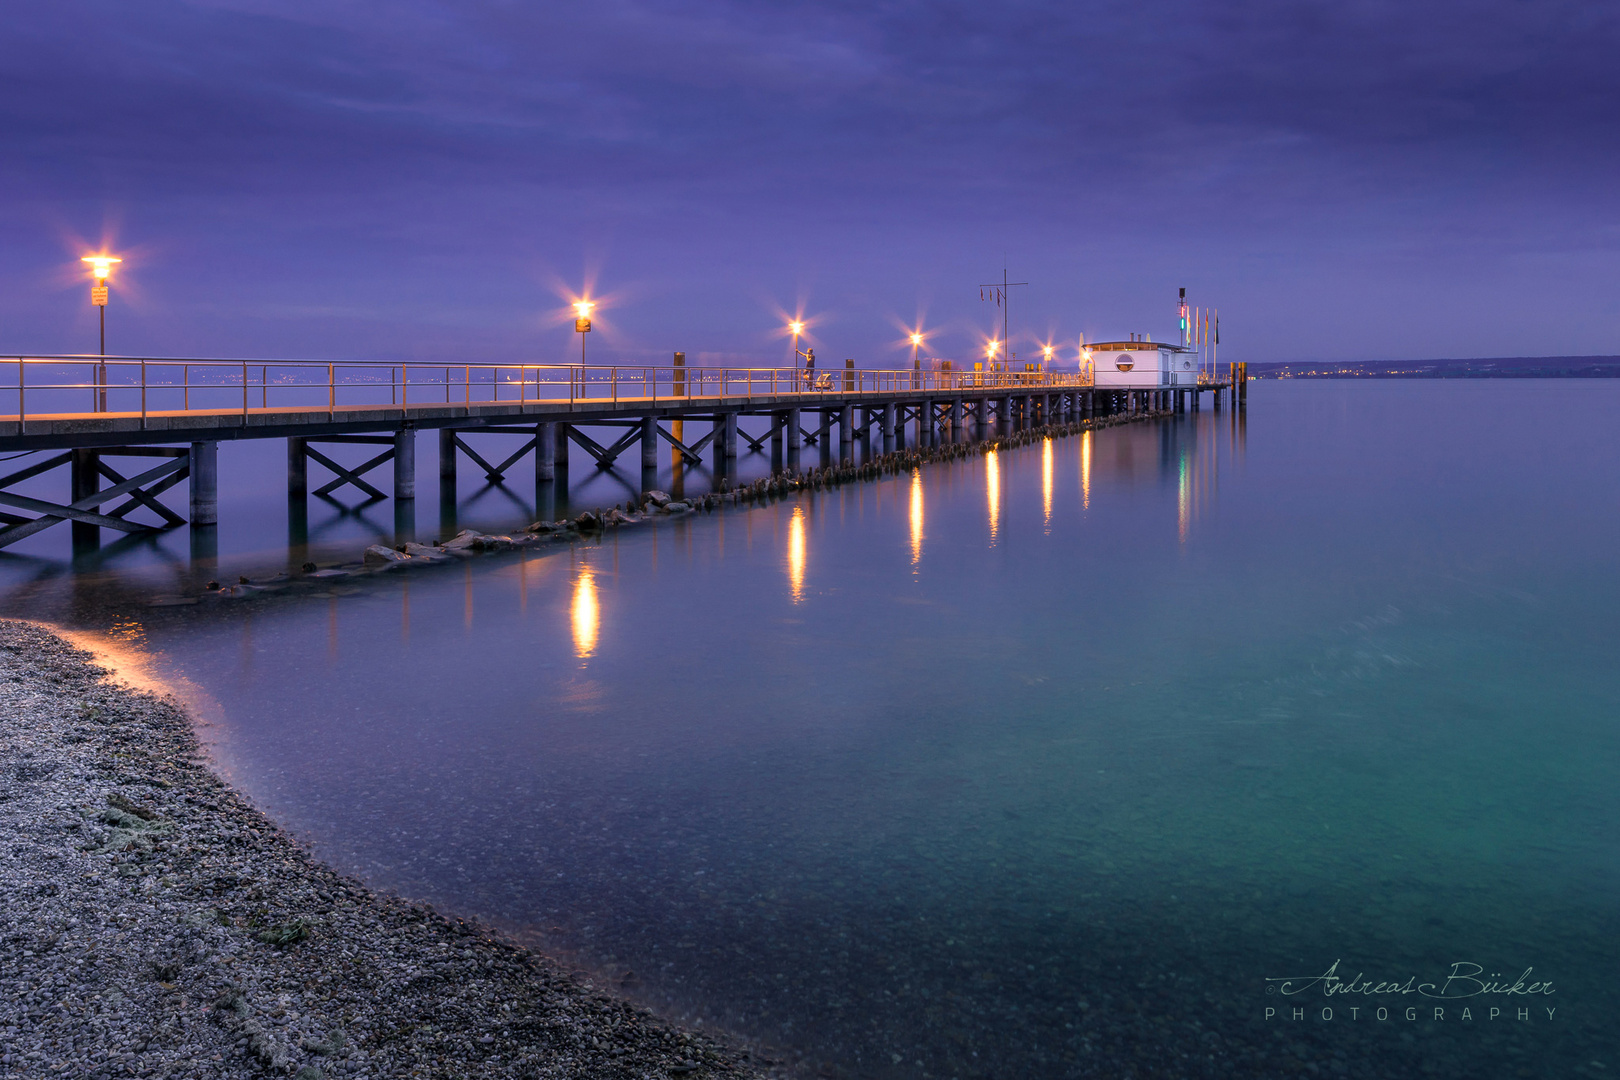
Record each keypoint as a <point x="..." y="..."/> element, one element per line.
<point x="582" y="326"/>
<point x="916" y="363"/>
<point x="1046" y="358"/>
<point x="990" y="352"/>
<point x="100" y="269"/>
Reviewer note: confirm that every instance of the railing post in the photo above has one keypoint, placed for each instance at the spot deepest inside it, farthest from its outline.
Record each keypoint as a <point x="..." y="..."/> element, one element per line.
<point x="143" y="394"/>
<point x="331" y="389"/>
<point x="405" y="386"/>
<point x="244" y="394"/>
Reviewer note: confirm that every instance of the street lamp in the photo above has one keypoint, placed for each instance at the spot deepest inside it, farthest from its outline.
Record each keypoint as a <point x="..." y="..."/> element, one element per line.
<point x="1046" y="358"/>
<point x="100" y="269"/>
<point x="796" y="328"/>
<point x="582" y="325"/>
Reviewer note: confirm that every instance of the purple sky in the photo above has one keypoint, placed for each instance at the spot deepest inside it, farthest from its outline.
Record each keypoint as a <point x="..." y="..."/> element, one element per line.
<point x="291" y="178"/>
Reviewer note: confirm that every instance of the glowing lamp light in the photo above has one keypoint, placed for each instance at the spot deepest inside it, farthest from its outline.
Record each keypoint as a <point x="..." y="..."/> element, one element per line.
<point x="584" y="308"/>
<point x="796" y="327"/>
<point x="916" y="339"/>
<point x="101" y="265"/>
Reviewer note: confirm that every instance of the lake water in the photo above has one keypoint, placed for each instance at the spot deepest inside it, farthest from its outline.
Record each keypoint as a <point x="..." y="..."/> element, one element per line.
<point x="1043" y="764"/>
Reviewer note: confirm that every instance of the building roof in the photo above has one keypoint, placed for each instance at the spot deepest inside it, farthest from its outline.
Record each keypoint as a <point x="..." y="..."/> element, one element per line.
<point x="1130" y="346"/>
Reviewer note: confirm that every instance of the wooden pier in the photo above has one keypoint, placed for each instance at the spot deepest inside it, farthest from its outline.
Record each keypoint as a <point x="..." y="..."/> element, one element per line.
<point x="179" y="410"/>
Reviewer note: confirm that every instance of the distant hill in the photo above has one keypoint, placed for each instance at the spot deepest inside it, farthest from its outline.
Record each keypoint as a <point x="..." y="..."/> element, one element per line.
<point x="1500" y="367"/>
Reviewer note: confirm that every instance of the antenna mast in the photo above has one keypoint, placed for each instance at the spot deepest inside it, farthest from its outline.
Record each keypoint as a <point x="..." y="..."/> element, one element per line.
<point x="1000" y="296"/>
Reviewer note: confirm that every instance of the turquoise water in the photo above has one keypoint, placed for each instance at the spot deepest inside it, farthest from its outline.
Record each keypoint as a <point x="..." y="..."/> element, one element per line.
<point x="1034" y="765"/>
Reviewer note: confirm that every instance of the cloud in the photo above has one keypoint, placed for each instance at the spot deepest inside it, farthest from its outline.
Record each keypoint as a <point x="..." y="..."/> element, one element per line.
<point x="796" y="137"/>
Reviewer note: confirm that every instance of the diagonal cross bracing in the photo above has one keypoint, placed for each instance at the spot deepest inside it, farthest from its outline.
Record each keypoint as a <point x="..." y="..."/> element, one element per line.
<point x="604" y="456"/>
<point x="495" y="473"/>
<point x="145" y="498"/>
<point x="349" y="476"/>
<point x="689" y="453"/>
<point x="171" y="471"/>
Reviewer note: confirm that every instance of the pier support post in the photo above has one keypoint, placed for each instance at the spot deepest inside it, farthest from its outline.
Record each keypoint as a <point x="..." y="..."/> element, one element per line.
<point x="447" y="458"/>
<point x="545" y="452"/>
<point x="204" y="484"/>
<point x="405" y="463"/>
<point x="778" y="422"/>
<point x="886" y="427"/>
<point x="791" y="422"/>
<point x="925" y="424"/>
<point x="956" y="420"/>
<point x="297" y="468"/>
<point x="297" y="529"/>
<point x="649" y="442"/>
<point x="899" y="427"/>
<point x="824" y="439"/>
<point x="404" y="520"/>
<point x="85" y="481"/>
<point x="846" y="434"/>
<point x="728" y="429"/>
<point x="1196" y="403"/>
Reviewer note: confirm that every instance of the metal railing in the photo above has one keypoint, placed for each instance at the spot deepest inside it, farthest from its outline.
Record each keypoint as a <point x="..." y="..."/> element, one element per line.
<point x="59" y="387"/>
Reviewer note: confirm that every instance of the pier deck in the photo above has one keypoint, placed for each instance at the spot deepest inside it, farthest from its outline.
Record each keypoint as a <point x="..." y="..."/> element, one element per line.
<point x="141" y="407"/>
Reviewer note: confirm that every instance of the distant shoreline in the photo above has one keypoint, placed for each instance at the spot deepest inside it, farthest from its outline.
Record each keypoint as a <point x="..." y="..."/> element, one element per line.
<point x="1502" y="367"/>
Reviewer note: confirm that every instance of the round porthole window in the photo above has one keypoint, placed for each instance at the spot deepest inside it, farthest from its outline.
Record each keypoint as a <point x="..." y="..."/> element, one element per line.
<point x="1126" y="361"/>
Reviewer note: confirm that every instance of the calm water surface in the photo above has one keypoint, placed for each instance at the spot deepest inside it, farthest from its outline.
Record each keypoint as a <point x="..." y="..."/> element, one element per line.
<point x="1036" y="765"/>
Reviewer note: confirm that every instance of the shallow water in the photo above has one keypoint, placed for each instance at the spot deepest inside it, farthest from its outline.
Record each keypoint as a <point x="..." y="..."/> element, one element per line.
<point x="1040" y="764"/>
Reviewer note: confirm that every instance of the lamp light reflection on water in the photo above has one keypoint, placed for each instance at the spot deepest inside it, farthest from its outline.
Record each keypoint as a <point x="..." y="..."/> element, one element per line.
<point x="585" y="614"/>
<point x="916" y="516"/>
<point x="1085" y="470"/>
<point x="992" y="488"/>
<point x="795" y="554"/>
<point x="1046" y="483"/>
<point x="1183" y="499"/>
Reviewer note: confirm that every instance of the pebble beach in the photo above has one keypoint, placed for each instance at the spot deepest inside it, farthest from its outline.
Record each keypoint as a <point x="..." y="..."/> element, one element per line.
<point x="156" y="925"/>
